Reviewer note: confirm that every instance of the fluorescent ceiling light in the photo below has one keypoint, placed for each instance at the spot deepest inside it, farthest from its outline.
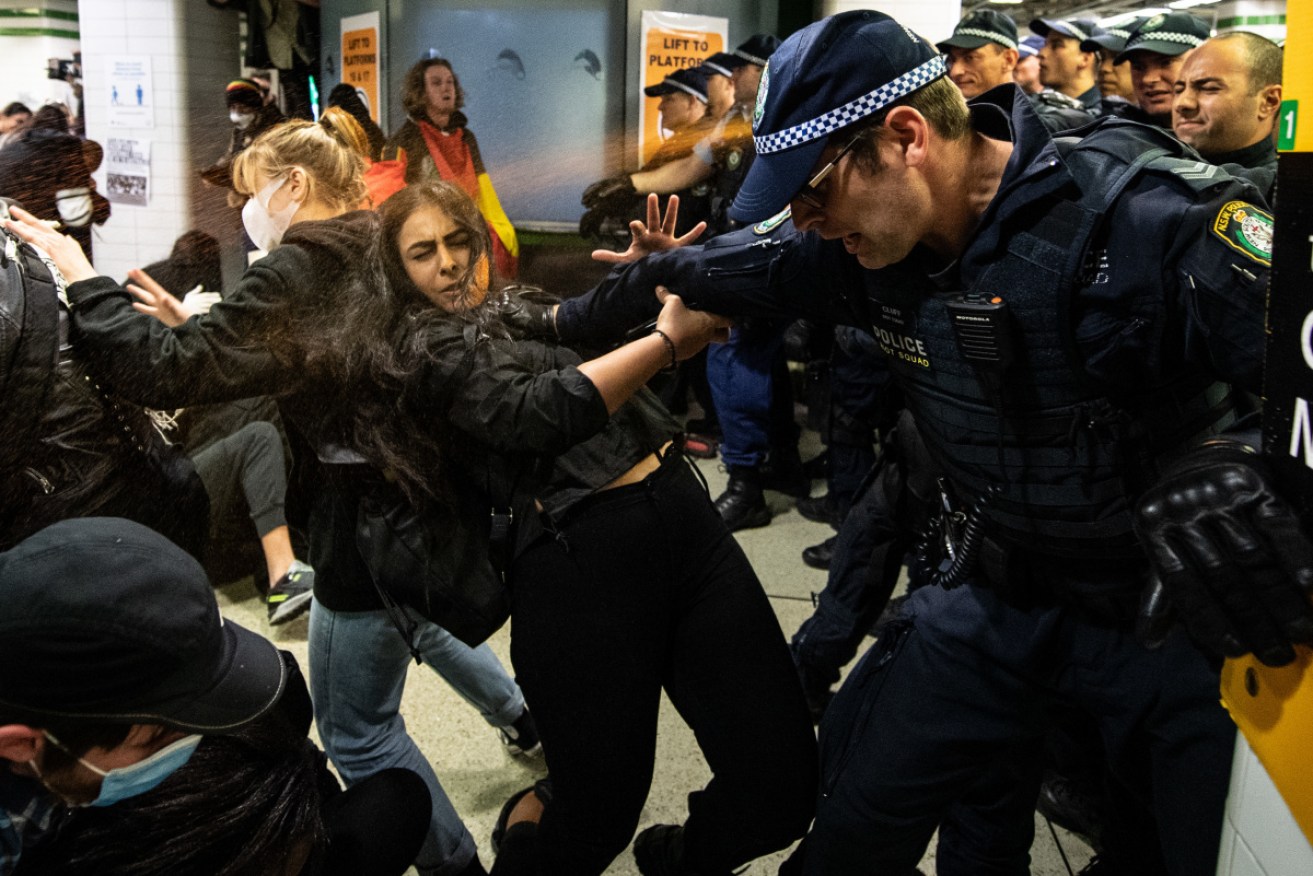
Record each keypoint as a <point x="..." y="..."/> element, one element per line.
<point x="1122" y="18"/>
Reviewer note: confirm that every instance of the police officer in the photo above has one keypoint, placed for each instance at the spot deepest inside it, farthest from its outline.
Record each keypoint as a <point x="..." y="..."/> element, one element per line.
<point x="1065" y="321"/>
<point x="1066" y="68"/>
<point x="1026" y="75"/>
<point x="983" y="53"/>
<point x="1114" y="79"/>
<point x="1228" y="93"/>
<point x="1156" y="51"/>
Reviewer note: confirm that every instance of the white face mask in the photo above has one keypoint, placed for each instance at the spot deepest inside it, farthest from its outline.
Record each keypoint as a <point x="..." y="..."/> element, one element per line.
<point x="241" y="120"/>
<point x="266" y="229"/>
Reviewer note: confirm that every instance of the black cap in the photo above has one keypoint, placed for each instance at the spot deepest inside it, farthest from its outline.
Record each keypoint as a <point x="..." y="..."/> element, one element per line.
<point x="690" y="80"/>
<point x="1112" y="39"/>
<point x="719" y="64"/>
<point x="105" y="620"/>
<point x="981" y="27"/>
<point x="825" y="77"/>
<point x="1072" y="28"/>
<point x="1172" y="34"/>
<point x="756" y="50"/>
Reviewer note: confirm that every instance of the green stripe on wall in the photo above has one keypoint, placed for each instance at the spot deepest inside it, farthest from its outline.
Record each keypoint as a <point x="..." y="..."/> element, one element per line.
<point x="1243" y="20"/>
<point x="40" y="31"/>
<point x="38" y="13"/>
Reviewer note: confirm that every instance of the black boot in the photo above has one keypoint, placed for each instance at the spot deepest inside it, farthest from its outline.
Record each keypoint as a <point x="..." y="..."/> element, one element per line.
<point x="783" y="473"/>
<point x="742" y="505"/>
<point x="659" y="851"/>
<point x="819" y="556"/>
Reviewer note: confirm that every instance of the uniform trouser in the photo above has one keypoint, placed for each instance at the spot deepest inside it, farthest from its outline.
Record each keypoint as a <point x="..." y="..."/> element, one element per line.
<point x="963" y="689"/>
<point x="643" y="589"/>
<point x="750" y="387"/>
<point x="868" y="554"/>
<point x="358" y="668"/>
<point x="245" y="476"/>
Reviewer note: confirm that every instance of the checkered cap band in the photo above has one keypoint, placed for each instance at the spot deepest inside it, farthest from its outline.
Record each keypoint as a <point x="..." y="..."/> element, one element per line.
<point x="1075" y="31"/>
<point x="716" y="68"/>
<point x="854" y="110"/>
<point x="751" y="59"/>
<point x="1118" y="32"/>
<point x="992" y="36"/>
<point x="1164" y="36"/>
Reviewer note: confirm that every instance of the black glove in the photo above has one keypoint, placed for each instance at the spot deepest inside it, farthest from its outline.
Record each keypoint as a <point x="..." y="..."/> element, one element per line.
<point x="605" y="193"/>
<point x="527" y="311"/>
<point x="590" y="224"/>
<point x="1232" y="560"/>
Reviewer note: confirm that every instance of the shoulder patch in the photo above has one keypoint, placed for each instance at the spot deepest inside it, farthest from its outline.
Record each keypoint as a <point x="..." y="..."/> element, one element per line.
<point x="766" y="226"/>
<point x="1246" y="229"/>
<point x="763" y="89"/>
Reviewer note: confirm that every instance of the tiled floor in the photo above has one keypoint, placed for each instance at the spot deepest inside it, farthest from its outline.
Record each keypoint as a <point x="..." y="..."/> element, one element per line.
<point x="479" y="775"/>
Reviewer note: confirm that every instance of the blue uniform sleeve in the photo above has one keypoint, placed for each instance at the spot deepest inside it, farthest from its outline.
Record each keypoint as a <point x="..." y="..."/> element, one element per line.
<point x="757" y="271"/>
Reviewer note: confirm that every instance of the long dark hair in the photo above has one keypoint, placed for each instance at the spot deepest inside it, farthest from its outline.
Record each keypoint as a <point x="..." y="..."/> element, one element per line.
<point x="385" y="336"/>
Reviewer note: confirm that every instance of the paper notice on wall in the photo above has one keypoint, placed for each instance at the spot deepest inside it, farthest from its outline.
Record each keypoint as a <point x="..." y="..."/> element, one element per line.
<point x="127" y="171"/>
<point x="362" y="58"/>
<point x="672" y="41"/>
<point x="131" y="92"/>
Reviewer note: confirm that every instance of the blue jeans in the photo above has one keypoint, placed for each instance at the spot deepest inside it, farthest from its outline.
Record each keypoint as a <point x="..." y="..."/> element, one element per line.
<point x="358" y="666"/>
<point x="749" y="384"/>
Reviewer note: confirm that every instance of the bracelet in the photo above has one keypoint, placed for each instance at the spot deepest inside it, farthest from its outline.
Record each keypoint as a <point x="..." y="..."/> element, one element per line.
<point x="670" y="345"/>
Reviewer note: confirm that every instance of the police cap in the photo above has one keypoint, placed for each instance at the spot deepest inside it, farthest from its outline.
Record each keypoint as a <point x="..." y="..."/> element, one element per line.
<point x="827" y="76"/>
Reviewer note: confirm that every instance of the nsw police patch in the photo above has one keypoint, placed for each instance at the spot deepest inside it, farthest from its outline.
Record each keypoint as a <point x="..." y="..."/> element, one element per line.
<point x="1247" y="229"/>
<point x="762" y="89"/>
<point x="766" y="226"/>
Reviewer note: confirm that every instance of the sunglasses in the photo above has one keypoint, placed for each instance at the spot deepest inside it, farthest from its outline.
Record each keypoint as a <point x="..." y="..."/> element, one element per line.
<point x="808" y="194"/>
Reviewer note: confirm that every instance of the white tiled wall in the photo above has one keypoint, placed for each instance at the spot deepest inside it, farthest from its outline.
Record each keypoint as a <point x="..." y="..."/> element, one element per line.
<point x="194" y="53"/>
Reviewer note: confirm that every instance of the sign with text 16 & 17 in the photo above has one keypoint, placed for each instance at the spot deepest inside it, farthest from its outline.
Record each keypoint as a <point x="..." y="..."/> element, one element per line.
<point x="672" y="41"/>
<point x="1274" y="707"/>
<point x="362" y="57"/>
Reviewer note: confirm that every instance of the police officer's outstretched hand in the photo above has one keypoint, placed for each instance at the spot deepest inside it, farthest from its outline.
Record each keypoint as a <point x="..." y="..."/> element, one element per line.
<point x="1232" y="559"/>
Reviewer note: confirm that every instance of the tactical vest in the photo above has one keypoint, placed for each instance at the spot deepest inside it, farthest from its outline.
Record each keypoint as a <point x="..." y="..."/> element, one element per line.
<point x="1063" y="460"/>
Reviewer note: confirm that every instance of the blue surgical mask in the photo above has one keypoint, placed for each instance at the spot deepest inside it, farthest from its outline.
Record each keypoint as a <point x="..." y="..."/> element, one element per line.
<point x="120" y="783"/>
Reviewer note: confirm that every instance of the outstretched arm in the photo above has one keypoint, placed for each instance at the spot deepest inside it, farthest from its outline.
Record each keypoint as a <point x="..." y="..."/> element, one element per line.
<point x="672" y="177"/>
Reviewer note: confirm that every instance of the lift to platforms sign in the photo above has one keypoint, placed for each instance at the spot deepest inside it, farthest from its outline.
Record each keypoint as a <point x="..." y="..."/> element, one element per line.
<point x="362" y="58"/>
<point x="672" y="41"/>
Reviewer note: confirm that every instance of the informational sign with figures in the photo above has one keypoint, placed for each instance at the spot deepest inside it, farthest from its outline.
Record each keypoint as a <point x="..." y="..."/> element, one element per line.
<point x="1274" y="707"/>
<point x="672" y="41"/>
<point x="131" y="92"/>
<point x="362" y="58"/>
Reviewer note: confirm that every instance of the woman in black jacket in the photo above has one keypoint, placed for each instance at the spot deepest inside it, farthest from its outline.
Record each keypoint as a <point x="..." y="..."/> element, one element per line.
<point x="625" y="580"/>
<point x="278" y="333"/>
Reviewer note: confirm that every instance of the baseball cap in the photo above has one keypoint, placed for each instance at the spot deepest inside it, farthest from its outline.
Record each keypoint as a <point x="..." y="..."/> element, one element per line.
<point x="756" y="50"/>
<point x="1030" y="46"/>
<point x="246" y="92"/>
<point x="1171" y="34"/>
<point x="689" y="81"/>
<point x="721" y="63"/>
<point x="1112" y="39"/>
<point x="981" y="27"/>
<point x="1072" y="28"/>
<point x="827" y="76"/>
<point x="105" y="620"/>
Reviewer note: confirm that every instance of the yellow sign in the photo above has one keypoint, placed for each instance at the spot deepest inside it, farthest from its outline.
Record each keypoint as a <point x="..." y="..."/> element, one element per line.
<point x="361" y="59"/>
<point x="672" y="41"/>
<point x="1295" y="134"/>
<point x="1274" y="709"/>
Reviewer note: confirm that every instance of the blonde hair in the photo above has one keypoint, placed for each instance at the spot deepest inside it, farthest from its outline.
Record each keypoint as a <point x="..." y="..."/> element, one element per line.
<point x="333" y="165"/>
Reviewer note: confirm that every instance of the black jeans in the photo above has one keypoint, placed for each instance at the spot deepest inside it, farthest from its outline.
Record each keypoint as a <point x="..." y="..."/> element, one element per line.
<point x="642" y="589"/>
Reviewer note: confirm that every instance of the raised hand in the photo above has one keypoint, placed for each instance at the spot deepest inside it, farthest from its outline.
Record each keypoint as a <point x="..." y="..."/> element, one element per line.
<point x="154" y="300"/>
<point x="657" y="234"/>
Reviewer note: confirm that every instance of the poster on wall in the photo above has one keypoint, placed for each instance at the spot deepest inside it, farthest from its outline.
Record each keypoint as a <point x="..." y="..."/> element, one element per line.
<point x="362" y="58"/>
<point x="131" y="92"/>
<point x="127" y="171"/>
<point x="671" y="41"/>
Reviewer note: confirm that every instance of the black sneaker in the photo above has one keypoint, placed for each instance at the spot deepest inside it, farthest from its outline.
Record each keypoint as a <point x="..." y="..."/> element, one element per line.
<point x="289" y="598"/>
<point x="659" y="850"/>
<point x="820" y="509"/>
<point x="521" y="737"/>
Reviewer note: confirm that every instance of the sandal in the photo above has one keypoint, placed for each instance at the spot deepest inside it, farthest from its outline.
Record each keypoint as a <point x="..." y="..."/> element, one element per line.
<point x="541" y="788"/>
